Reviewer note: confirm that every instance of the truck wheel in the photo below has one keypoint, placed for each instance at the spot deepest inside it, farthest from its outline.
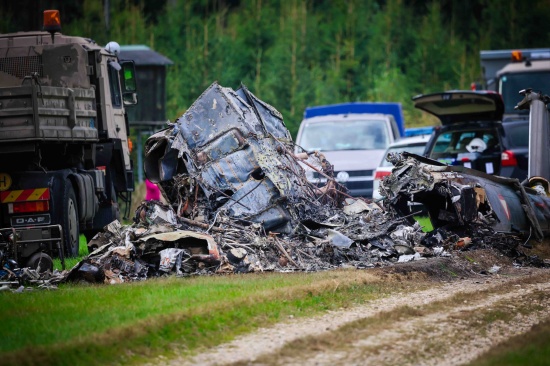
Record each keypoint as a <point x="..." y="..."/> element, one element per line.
<point x="70" y="221"/>
<point x="41" y="262"/>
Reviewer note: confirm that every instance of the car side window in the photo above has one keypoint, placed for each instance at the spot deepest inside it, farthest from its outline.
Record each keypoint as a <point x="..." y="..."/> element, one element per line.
<point x="442" y="143"/>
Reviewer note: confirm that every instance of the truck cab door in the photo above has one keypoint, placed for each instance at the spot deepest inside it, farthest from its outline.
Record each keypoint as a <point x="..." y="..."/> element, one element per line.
<point x="115" y="122"/>
<point x="129" y="84"/>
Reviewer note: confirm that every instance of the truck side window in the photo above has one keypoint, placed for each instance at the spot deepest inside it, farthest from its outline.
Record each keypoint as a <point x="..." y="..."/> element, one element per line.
<point x="114" y="85"/>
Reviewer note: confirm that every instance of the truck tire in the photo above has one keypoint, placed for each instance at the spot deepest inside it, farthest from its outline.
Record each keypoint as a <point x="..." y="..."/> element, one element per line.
<point x="41" y="262"/>
<point x="71" y="230"/>
<point x="105" y="215"/>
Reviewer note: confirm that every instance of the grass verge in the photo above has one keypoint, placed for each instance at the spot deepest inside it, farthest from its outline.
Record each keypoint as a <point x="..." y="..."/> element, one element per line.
<point x="71" y="262"/>
<point x="92" y="325"/>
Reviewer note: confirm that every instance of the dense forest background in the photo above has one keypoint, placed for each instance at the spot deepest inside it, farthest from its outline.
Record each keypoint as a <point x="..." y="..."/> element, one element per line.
<point x="298" y="53"/>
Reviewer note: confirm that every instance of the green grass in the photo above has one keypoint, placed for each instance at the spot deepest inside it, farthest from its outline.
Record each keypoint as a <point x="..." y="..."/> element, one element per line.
<point x="532" y="348"/>
<point x="90" y="325"/>
<point x="71" y="262"/>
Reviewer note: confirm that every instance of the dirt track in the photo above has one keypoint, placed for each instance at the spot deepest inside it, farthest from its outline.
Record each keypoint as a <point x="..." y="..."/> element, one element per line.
<point x="451" y="323"/>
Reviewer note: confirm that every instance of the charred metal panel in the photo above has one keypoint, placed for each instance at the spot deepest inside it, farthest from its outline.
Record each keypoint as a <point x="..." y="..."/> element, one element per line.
<point x="227" y="143"/>
<point x="213" y="113"/>
<point x="539" y="133"/>
<point x="270" y="118"/>
<point x="238" y="151"/>
<point x="162" y="162"/>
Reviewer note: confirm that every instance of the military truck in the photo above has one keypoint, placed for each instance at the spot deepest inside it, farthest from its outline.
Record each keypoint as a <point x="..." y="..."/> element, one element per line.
<point x="64" y="147"/>
<point x="509" y="71"/>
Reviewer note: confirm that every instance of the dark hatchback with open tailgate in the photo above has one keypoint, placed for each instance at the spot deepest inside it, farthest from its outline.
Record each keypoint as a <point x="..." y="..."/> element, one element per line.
<point x="473" y="135"/>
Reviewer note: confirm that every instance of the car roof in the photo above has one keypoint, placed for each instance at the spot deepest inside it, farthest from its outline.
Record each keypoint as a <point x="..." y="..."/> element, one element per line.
<point x="347" y="117"/>
<point x="462" y="105"/>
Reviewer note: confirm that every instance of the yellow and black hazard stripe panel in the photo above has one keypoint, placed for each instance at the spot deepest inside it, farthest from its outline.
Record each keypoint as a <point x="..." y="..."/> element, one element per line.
<point x="25" y="195"/>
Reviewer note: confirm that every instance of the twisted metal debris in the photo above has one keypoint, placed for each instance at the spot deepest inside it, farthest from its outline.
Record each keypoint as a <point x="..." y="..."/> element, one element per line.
<point x="239" y="201"/>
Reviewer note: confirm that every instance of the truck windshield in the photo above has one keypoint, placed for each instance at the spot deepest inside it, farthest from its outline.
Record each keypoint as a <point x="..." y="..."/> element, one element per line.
<point x="511" y="84"/>
<point x="345" y="135"/>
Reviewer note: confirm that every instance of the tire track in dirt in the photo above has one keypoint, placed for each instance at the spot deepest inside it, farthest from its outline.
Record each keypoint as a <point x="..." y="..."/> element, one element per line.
<point x="266" y="344"/>
<point x="456" y="340"/>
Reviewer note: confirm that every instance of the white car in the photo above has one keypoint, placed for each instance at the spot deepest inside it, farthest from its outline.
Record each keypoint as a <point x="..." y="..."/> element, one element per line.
<point x="352" y="138"/>
<point x="414" y="144"/>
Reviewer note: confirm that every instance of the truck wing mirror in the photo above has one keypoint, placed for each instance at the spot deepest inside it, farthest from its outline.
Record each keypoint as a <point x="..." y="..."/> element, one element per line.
<point x="129" y="84"/>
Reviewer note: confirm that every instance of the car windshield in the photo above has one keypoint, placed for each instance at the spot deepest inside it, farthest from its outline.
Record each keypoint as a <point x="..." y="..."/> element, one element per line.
<point x="451" y="143"/>
<point x="511" y="84"/>
<point x="345" y="135"/>
<point x="414" y="149"/>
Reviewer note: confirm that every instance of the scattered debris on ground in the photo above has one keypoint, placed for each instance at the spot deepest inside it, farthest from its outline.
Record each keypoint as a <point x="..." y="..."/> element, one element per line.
<point x="239" y="201"/>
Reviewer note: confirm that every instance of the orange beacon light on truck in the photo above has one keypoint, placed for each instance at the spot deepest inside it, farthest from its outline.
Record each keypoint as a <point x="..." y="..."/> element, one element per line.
<point x="52" y="21"/>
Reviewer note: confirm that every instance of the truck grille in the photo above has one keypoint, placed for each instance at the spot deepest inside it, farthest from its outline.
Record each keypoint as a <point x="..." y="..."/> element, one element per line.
<point x="21" y="66"/>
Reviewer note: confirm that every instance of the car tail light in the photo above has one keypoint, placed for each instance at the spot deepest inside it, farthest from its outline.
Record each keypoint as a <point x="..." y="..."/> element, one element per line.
<point x="381" y="174"/>
<point x="25" y="207"/>
<point x="508" y="158"/>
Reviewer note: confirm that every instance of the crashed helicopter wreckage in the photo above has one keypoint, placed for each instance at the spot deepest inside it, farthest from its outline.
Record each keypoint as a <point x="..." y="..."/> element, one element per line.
<point x="359" y="234"/>
<point x="239" y="201"/>
<point x="456" y="198"/>
<point x="228" y="171"/>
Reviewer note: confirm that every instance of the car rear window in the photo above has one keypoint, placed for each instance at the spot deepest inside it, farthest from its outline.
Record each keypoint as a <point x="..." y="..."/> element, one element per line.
<point x="454" y="142"/>
<point x="517" y="134"/>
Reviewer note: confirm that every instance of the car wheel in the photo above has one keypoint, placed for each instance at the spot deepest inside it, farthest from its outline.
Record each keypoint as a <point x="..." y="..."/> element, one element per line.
<point x="71" y="230"/>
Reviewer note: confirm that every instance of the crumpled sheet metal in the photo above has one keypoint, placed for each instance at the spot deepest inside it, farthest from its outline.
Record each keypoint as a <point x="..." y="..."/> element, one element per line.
<point x="144" y="250"/>
<point x="460" y="195"/>
<point x="237" y="149"/>
<point x="201" y="246"/>
<point x="26" y="279"/>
